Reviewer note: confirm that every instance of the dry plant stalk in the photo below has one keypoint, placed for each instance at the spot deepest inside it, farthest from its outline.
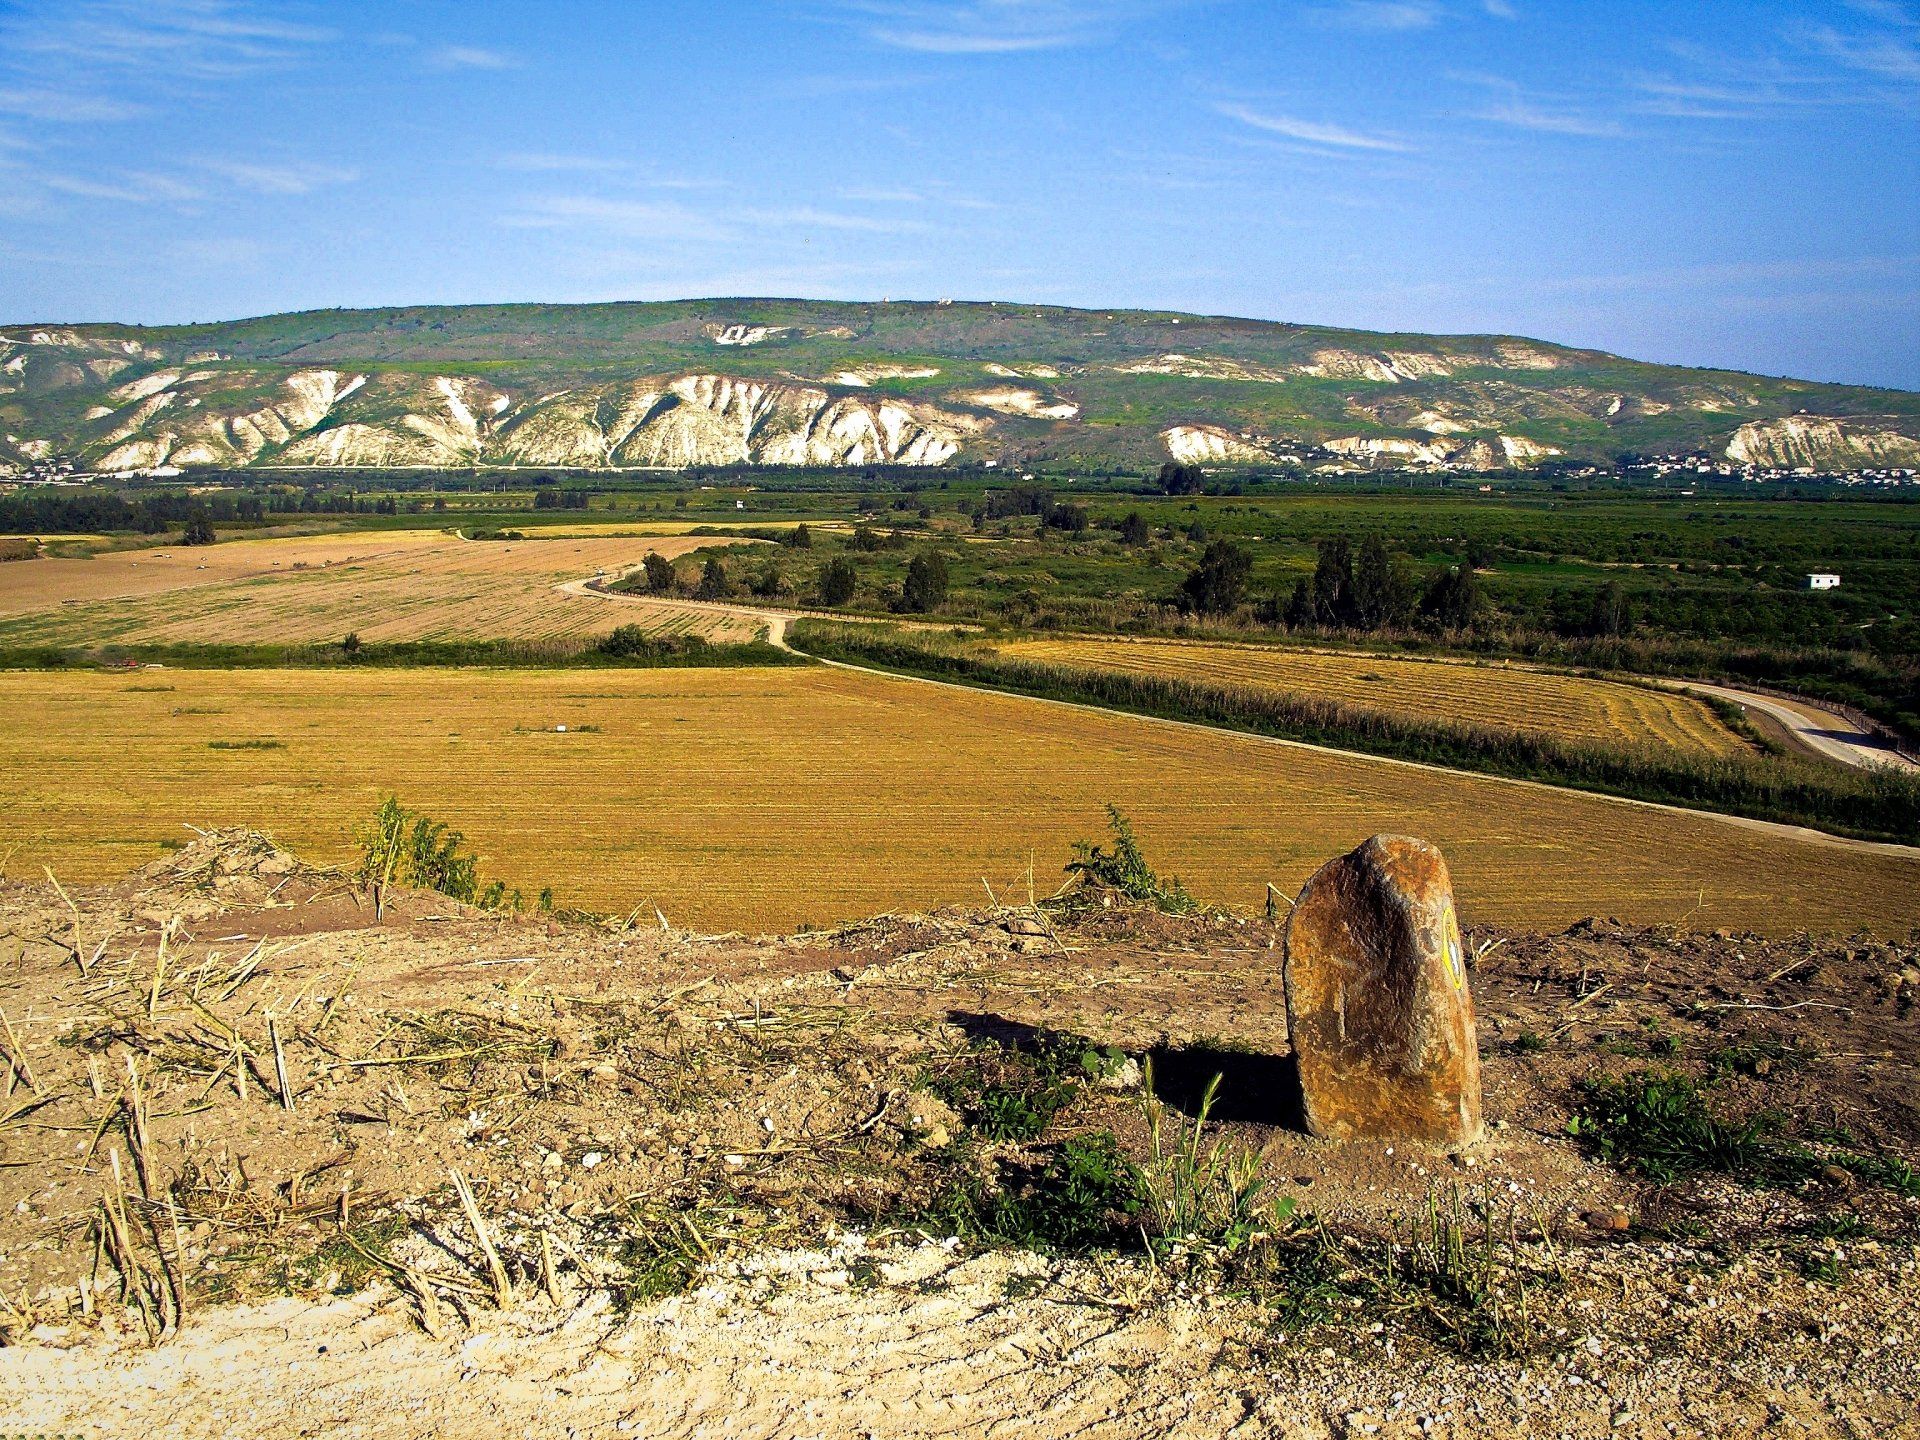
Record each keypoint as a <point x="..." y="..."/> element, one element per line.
<point x="17" y="1056"/>
<point x="117" y="1241"/>
<point x="549" y="1269"/>
<point x="160" y="968"/>
<point x="134" y="1102"/>
<point x="496" y="1271"/>
<point x="79" y="955"/>
<point x="279" y="1063"/>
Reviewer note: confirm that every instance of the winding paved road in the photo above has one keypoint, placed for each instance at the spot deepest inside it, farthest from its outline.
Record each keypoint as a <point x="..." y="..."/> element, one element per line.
<point x="1818" y="729"/>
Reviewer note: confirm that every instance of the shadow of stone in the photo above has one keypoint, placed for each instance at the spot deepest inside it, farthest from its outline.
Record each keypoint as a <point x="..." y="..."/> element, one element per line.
<point x="1255" y="1089"/>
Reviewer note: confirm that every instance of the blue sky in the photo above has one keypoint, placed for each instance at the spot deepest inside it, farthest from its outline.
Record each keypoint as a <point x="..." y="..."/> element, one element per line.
<point x="1731" y="184"/>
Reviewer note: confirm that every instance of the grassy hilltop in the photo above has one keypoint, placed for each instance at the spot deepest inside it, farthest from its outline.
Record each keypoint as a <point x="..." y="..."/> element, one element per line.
<point x="816" y="382"/>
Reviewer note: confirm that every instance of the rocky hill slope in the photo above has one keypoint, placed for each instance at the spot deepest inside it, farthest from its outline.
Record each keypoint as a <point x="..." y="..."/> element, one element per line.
<point x="819" y="383"/>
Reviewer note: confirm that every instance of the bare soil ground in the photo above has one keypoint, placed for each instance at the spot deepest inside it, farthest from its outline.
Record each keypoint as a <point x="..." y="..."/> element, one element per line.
<point x="775" y="1185"/>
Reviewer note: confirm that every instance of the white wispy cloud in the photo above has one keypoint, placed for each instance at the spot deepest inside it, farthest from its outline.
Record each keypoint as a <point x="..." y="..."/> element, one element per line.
<point x="193" y="40"/>
<point x="547" y="163"/>
<point x="1888" y="55"/>
<point x="811" y="217"/>
<point x="637" y="219"/>
<point x="296" y="177"/>
<point x="469" y="57"/>
<point x="63" y="106"/>
<point x="1513" y="106"/>
<point x="130" y="188"/>
<point x="1526" y="115"/>
<point x="1378" y="14"/>
<point x="1312" y="132"/>
<point x="994" y="27"/>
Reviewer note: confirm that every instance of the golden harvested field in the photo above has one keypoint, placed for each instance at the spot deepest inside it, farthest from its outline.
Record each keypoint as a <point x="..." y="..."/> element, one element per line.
<point x="1511" y="698"/>
<point x="761" y="798"/>
<point x="395" y="585"/>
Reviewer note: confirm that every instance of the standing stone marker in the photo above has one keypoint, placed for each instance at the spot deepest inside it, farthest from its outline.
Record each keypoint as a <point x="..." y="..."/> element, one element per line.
<point x="1377" y="998"/>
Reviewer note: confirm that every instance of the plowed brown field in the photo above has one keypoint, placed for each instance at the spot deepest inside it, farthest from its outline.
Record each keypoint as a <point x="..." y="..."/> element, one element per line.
<point x="401" y="585"/>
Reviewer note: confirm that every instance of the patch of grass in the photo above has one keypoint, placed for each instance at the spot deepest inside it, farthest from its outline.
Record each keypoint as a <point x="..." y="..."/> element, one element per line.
<point x="1202" y="1203"/>
<point x="656" y="1253"/>
<point x="246" y="745"/>
<point x="1762" y="1059"/>
<point x="342" y="1258"/>
<point x="1086" y="1194"/>
<point x="1013" y="1092"/>
<point x="1658" y="1124"/>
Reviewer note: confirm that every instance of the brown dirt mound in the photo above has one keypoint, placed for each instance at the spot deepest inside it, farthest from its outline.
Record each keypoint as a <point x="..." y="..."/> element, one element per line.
<point x="726" y="1155"/>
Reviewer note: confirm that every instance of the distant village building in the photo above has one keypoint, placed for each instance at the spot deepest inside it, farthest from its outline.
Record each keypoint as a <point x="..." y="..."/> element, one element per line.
<point x="1823" y="580"/>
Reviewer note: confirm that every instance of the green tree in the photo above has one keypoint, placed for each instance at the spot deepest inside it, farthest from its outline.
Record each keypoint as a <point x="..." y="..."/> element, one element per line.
<point x="1612" y="612"/>
<point x="660" y="574"/>
<point x="769" y="582"/>
<point x="866" y="538"/>
<point x="1070" y="518"/>
<point x="199" y="527"/>
<point x="926" y="583"/>
<point x="1333" y="583"/>
<point x="714" y="584"/>
<point x="1452" y="598"/>
<point x="837" y="581"/>
<point x="1299" y="612"/>
<point x="800" y="537"/>
<point x="1382" y="593"/>
<point x="1133" y="529"/>
<point x="1219" y="582"/>
<point x="1179" y="479"/>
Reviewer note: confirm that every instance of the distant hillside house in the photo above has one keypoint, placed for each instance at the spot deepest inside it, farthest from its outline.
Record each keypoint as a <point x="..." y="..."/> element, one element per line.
<point x="1821" y="580"/>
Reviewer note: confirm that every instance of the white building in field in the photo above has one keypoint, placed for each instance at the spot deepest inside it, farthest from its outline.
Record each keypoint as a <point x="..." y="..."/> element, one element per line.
<point x="1823" y="580"/>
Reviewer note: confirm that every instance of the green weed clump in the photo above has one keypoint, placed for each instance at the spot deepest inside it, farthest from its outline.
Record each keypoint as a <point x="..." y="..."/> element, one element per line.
<point x="1124" y="868"/>
<point x="1085" y="1195"/>
<point x="1013" y="1093"/>
<point x="1658" y="1124"/>
<point x="402" y="846"/>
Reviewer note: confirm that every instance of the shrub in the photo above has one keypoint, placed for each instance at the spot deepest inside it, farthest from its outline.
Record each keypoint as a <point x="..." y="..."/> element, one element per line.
<point x="627" y="642"/>
<point x="402" y="846"/>
<point x="1125" y="868"/>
